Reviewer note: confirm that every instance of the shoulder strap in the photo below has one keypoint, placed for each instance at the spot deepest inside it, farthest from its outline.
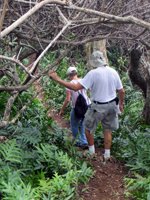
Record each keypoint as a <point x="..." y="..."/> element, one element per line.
<point x="80" y="92"/>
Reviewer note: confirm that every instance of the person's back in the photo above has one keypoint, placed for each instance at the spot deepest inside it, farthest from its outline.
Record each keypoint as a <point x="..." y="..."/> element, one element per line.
<point x="103" y="82"/>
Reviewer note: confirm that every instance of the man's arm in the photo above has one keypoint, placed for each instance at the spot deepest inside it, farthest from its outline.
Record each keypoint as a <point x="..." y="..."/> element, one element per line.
<point x="72" y="86"/>
<point x="121" y="94"/>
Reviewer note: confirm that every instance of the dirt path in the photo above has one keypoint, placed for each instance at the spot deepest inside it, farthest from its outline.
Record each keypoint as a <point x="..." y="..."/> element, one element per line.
<point x="107" y="182"/>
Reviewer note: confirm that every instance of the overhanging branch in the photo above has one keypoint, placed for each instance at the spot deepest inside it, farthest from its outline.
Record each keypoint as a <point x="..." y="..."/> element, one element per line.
<point x="27" y="15"/>
<point x="20" y="88"/>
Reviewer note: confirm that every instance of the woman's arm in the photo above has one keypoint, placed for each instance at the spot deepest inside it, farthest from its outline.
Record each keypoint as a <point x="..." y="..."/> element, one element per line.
<point x="66" y="102"/>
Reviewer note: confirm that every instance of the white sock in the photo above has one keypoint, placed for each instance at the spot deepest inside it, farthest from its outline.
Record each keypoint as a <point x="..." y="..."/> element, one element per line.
<point x="107" y="153"/>
<point x="92" y="149"/>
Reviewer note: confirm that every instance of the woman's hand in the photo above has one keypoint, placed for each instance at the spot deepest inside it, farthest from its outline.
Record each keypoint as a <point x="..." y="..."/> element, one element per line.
<point x="61" y="112"/>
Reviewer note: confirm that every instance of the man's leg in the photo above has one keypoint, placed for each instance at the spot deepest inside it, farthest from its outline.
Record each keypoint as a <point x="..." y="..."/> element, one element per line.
<point x="90" y="140"/>
<point x="107" y="142"/>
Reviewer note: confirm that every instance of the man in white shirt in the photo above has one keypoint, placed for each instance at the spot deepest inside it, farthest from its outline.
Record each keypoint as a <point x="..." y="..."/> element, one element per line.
<point x="103" y="82"/>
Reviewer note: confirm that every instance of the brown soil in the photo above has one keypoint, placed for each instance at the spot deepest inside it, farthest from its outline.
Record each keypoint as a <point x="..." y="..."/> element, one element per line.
<point x="107" y="182"/>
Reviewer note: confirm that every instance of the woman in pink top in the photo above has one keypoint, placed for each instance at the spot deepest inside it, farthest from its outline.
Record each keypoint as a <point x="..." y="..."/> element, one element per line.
<point x="77" y="127"/>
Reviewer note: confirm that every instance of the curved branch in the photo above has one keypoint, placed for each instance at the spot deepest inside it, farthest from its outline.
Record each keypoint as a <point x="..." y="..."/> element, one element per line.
<point x="51" y="43"/>
<point x="20" y="88"/>
<point x="28" y="14"/>
<point x="17" y="62"/>
<point x="128" y="19"/>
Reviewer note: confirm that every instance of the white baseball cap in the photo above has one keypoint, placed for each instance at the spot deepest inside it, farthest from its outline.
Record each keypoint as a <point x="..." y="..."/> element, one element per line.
<point x="71" y="69"/>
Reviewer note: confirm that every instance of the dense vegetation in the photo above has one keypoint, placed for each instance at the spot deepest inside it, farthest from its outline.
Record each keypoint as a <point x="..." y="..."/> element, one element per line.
<point x="39" y="162"/>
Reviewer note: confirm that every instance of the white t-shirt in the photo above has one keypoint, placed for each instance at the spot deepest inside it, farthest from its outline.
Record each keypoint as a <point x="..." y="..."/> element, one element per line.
<point x="74" y="94"/>
<point x="103" y="83"/>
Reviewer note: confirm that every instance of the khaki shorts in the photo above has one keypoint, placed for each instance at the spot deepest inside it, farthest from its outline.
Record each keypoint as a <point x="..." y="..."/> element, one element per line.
<point x="107" y="114"/>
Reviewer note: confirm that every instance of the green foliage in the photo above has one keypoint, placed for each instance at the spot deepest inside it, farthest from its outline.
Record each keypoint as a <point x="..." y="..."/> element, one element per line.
<point x="29" y="136"/>
<point x="85" y="173"/>
<point x="59" y="137"/>
<point x="3" y="98"/>
<point x="10" y="152"/>
<point x="116" y="59"/>
<point x="138" y="187"/>
<point x="38" y="160"/>
<point x="15" y="189"/>
<point x="131" y="143"/>
<point x="61" y="186"/>
<point x="136" y="152"/>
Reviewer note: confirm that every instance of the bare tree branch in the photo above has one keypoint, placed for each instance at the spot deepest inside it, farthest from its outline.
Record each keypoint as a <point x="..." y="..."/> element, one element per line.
<point x="28" y="14"/>
<point x="47" y="48"/>
<point x="4" y="10"/>
<point x="128" y="19"/>
<point x="20" y="88"/>
<point x="8" y="107"/>
<point x="17" y="62"/>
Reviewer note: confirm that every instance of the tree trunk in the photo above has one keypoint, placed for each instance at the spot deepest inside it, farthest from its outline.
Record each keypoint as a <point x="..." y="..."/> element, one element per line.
<point x="96" y="45"/>
<point x="146" y="109"/>
<point x="139" y="75"/>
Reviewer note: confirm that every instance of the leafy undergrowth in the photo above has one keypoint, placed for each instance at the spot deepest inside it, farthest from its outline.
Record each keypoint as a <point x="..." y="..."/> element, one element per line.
<point x="38" y="161"/>
<point x="131" y="145"/>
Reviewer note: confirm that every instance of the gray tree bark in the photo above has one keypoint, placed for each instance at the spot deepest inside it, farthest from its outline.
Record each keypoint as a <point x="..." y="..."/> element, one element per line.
<point x="140" y="76"/>
<point x="96" y="45"/>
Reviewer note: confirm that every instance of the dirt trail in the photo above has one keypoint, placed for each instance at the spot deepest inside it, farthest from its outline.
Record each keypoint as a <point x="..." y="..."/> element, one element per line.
<point x="107" y="182"/>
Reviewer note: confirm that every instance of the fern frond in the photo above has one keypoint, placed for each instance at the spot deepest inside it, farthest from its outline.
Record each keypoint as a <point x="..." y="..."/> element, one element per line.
<point x="29" y="135"/>
<point x="9" y="151"/>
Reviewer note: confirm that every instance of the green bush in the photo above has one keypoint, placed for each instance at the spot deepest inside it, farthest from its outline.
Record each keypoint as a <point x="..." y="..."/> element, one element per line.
<point x="38" y="160"/>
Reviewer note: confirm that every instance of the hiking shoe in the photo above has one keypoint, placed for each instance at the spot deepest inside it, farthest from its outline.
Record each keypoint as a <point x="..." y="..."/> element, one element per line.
<point x="82" y="146"/>
<point x="77" y="144"/>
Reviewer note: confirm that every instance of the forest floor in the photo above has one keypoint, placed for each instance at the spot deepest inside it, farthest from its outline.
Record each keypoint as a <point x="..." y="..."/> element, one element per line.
<point x="107" y="182"/>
